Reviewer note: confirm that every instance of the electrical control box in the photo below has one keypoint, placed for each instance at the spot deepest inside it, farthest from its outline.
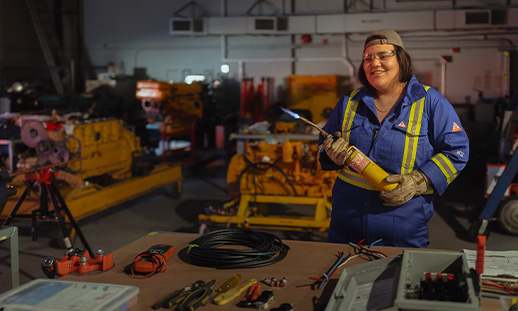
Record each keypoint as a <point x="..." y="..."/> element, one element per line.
<point x="415" y="280"/>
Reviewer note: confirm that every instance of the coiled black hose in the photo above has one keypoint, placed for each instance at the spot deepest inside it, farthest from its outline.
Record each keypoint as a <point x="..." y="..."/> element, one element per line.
<point x="262" y="249"/>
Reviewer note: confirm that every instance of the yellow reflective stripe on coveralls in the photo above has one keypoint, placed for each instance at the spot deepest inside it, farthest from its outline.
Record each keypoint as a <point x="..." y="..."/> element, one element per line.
<point x="445" y="166"/>
<point x="412" y="137"/>
<point x="346" y="174"/>
<point x="349" y="113"/>
<point x="410" y="152"/>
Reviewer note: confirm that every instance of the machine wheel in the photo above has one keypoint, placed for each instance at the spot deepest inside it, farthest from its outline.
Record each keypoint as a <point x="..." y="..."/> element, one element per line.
<point x="507" y="215"/>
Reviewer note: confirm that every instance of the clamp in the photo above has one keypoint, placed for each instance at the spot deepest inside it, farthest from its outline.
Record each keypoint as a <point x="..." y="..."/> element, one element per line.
<point x="76" y="260"/>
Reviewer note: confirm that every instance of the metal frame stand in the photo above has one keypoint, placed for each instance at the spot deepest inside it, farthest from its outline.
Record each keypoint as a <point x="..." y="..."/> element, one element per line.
<point x="43" y="212"/>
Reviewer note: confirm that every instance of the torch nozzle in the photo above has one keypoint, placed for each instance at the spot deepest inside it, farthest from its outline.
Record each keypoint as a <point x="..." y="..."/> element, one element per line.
<point x="314" y="125"/>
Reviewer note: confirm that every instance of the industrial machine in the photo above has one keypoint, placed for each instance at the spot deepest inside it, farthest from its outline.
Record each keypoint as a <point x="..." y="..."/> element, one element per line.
<point x="176" y="106"/>
<point x="101" y="146"/>
<point x="96" y="164"/>
<point x="283" y="174"/>
<point x="315" y="94"/>
<point x="178" y="100"/>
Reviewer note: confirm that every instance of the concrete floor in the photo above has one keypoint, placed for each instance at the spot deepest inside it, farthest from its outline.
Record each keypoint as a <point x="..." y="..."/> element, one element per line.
<point x="205" y="185"/>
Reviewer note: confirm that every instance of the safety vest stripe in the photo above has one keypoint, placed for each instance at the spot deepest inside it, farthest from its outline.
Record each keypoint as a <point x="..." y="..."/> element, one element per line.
<point x="445" y="166"/>
<point x="412" y="139"/>
<point x="350" y="111"/>
<point x="414" y="128"/>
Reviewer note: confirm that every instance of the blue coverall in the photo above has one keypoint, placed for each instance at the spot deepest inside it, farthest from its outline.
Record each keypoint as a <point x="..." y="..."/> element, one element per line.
<point x="422" y="132"/>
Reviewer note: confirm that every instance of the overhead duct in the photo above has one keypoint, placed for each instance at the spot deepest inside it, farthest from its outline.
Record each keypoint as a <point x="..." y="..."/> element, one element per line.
<point x="430" y="20"/>
<point x="261" y="25"/>
<point x="476" y="19"/>
<point x="187" y="26"/>
<point x="367" y="22"/>
<point x="266" y="25"/>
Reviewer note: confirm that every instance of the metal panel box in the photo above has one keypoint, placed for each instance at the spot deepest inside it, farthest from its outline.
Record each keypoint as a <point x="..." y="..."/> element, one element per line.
<point x="392" y="284"/>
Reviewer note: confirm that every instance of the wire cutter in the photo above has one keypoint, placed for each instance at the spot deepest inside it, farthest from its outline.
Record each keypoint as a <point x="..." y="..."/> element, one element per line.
<point x="253" y="292"/>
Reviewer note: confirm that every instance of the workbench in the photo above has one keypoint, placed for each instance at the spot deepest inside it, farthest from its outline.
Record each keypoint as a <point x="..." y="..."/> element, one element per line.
<point x="305" y="259"/>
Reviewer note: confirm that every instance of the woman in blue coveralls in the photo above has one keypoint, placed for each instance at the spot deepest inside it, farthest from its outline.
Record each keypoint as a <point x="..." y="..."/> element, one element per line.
<point x="407" y="128"/>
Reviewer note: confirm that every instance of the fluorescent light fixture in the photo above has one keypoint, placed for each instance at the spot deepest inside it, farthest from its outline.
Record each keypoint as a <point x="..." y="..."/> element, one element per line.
<point x="189" y="79"/>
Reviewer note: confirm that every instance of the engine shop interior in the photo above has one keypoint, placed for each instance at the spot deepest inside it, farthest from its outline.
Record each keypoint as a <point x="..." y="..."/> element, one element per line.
<point x="227" y="154"/>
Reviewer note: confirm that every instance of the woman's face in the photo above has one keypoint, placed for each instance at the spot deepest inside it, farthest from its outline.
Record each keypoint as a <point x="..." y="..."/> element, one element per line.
<point x="381" y="67"/>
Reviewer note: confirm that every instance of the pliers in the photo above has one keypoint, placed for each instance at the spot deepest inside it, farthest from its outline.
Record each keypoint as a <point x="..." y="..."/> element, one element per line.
<point x="177" y="296"/>
<point x="196" y="298"/>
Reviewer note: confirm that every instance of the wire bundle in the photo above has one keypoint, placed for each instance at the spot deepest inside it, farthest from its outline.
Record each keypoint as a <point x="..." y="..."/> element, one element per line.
<point x="323" y="279"/>
<point x="262" y="249"/>
<point x="342" y="260"/>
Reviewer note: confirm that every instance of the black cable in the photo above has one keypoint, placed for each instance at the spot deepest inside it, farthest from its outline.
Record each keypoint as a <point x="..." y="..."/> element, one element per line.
<point x="256" y="165"/>
<point x="262" y="249"/>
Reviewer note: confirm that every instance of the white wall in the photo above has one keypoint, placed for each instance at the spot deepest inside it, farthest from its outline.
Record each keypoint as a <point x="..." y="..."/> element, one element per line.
<point x="135" y="33"/>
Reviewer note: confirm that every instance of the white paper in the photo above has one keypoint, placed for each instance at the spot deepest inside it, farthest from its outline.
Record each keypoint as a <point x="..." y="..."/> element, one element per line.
<point x="496" y="263"/>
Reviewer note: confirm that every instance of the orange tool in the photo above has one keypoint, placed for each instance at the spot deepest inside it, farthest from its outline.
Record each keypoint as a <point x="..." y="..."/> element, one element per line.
<point x="77" y="261"/>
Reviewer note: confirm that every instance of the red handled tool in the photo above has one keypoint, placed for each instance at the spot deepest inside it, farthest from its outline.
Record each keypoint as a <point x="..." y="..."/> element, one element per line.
<point x="253" y="292"/>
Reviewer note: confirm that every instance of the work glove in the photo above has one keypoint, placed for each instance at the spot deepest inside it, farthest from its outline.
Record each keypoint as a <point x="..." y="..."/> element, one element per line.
<point x="336" y="148"/>
<point x="410" y="185"/>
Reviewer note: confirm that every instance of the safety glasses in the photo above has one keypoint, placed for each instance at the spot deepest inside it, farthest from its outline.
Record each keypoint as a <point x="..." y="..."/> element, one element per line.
<point x="382" y="55"/>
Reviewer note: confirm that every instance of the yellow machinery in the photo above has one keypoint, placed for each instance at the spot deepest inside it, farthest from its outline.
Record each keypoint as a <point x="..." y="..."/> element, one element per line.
<point x="315" y="94"/>
<point x="286" y="174"/>
<point x="107" y="148"/>
<point x="85" y="153"/>
<point x="176" y="106"/>
<point x="181" y="102"/>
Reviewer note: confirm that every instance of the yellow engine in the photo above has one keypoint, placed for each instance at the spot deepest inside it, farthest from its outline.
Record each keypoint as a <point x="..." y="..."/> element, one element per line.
<point x="288" y="169"/>
<point x="98" y="146"/>
<point x="279" y="174"/>
<point x="179" y="103"/>
<point x="106" y="147"/>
